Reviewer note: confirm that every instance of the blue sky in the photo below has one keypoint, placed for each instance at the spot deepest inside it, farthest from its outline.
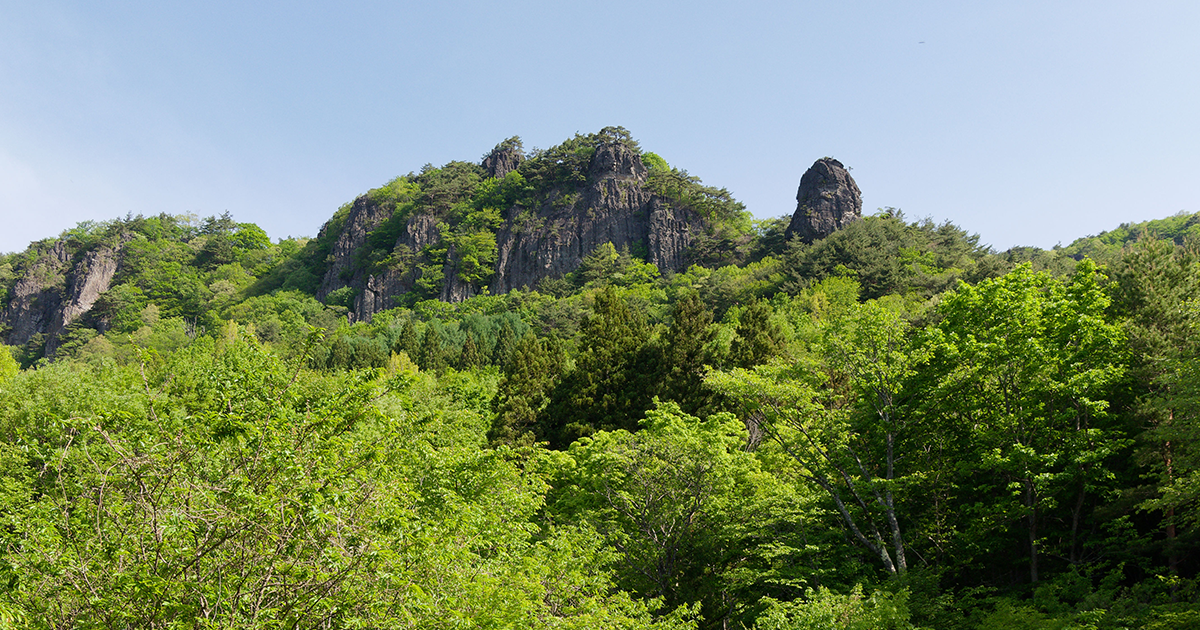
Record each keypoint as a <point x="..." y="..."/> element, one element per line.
<point x="1028" y="123"/>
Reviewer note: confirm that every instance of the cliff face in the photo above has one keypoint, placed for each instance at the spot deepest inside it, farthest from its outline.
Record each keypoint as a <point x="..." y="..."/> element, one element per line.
<point x="364" y="217"/>
<point x="503" y="160"/>
<point x="612" y="205"/>
<point x="90" y="278"/>
<point x="51" y="293"/>
<point x="827" y="199"/>
<point x="379" y="289"/>
<point x="37" y="296"/>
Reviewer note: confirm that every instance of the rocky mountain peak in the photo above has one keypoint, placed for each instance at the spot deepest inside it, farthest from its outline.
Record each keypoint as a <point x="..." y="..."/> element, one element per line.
<point x="827" y="199"/>
<point x="505" y="158"/>
<point x="617" y="160"/>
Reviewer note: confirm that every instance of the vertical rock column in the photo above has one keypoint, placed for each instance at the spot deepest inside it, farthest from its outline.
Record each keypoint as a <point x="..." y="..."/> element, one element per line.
<point x="827" y="199"/>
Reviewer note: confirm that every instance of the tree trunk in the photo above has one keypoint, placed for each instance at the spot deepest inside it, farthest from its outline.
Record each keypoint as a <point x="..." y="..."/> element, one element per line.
<point x="1031" y="505"/>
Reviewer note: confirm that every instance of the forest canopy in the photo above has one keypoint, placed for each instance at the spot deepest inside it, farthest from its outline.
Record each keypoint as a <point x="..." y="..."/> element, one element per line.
<point x="891" y="427"/>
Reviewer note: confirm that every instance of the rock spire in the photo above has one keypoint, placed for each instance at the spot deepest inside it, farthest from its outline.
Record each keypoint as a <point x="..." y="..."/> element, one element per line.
<point x="827" y="199"/>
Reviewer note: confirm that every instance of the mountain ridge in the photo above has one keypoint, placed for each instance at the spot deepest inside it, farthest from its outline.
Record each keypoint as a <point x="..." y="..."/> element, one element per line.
<point x="510" y="221"/>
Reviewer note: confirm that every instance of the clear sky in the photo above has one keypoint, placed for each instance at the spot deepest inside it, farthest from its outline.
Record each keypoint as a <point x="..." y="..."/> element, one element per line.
<point x="1030" y="123"/>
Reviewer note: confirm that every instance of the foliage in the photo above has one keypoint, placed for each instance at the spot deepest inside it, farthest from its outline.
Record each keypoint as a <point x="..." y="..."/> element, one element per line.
<point x="674" y="499"/>
<point x="609" y="387"/>
<point x="822" y="608"/>
<point x="928" y="433"/>
<point x="889" y="256"/>
<point x="835" y="415"/>
<point x="1030" y="362"/>
<point x="1178" y="229"/>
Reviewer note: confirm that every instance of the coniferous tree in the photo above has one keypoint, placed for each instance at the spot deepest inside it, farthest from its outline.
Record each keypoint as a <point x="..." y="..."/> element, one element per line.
<point x="758" y="338"/>
<point x="1154" y="281"/>
<point x="433" y="356"/>
<point x="684" y="355"/>
<point x="613" y="380"/>
<point x="506" y="342"/>
<point x="408" y="342"/>
<point x="529" y="377"/>
<point x="470" y="357"/>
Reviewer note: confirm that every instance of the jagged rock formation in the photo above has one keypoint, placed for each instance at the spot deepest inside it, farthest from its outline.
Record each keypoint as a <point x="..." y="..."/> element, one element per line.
<point x="615" y="207"/>
<point x="364" y="217"/>
<point x="827" y="199"/>
<point x="51" y="294"/>
<point x="504" y="159"/>
<point x="378" y="289"/>
<point x="36" y="298"/>
<point x="90" y="278"/>
<point x="613" y="204"/>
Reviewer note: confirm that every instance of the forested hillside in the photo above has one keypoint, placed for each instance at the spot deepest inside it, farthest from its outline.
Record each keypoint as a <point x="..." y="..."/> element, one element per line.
<point x="577" y="388"/>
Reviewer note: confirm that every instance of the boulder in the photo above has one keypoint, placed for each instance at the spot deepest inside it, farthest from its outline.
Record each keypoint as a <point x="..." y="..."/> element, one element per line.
<point x="827" y="199"/>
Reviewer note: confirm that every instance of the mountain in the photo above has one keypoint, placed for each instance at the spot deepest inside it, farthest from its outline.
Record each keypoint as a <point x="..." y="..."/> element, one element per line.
<point x="513" y="222"/>
<point x="507" y="222"/>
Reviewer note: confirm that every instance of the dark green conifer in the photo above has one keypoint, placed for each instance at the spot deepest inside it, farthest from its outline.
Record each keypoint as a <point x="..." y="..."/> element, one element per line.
<point x="506" y="342"/>
<point x="470" y="357"/>
<point x="523" y="392"/>
<point x="758" y="338"/>
<point x="432" y="356"/>
<point x="685" y="354"/>
<point x="614" y="377"/>
<point x="408" y="342"/>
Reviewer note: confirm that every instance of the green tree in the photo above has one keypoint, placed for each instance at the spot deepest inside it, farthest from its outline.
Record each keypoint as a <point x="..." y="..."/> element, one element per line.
<point x="8" y="365"/>
<point x="610" y="386"/>
<point x="685" y="352"/>
<point x="408" y="341"/>
<point x="506" y="343"/>
<point x="470" y="357"/>
<point x="529" y="377"/>
<point x="1029" y="363"/>
<point x="433" y="354"/>
<point x="758" y="337"/>
<point x="836" y="415"/>
<point x="1155" y="286"/>
<point x="675" y="499"/>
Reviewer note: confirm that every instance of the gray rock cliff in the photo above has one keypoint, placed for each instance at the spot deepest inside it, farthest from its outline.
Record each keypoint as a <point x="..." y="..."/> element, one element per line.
<point x="364" y="216"/>
<point x="90" y="278"/>
<point x="505" y="158"/>
<point x="51" y="293"/>
<point x="612" y="205"/>
<point x="37" y="296"/>
<point x="826" y="200"/>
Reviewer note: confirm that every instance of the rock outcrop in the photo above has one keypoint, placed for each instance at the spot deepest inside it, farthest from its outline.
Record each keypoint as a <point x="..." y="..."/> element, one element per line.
<point x="612" y="205"/>
<point x="89" y="279"/>
<point x="827" y="199"/>
<point x="364" y="216"/>
<point x="504" y="159"/>
<point x="51" y="293"/>
<point x="37" y="296"/>
<point x="379" y="289"/>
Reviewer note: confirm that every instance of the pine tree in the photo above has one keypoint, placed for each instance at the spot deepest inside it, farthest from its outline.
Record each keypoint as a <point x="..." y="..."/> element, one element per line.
<point x="613" y="381"/>
<point x="523" y="393"/>
<point x="408" y="342"/>
<point x="684" y="355"/>
<point x="506" y="342"/>
<point x="758" y="338"/>
<point x="432" y="357"/>
<point x="470" y="357"/>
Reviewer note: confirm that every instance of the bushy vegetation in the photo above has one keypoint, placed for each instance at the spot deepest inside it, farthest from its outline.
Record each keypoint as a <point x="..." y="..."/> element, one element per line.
<point x="892" y="427"/>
